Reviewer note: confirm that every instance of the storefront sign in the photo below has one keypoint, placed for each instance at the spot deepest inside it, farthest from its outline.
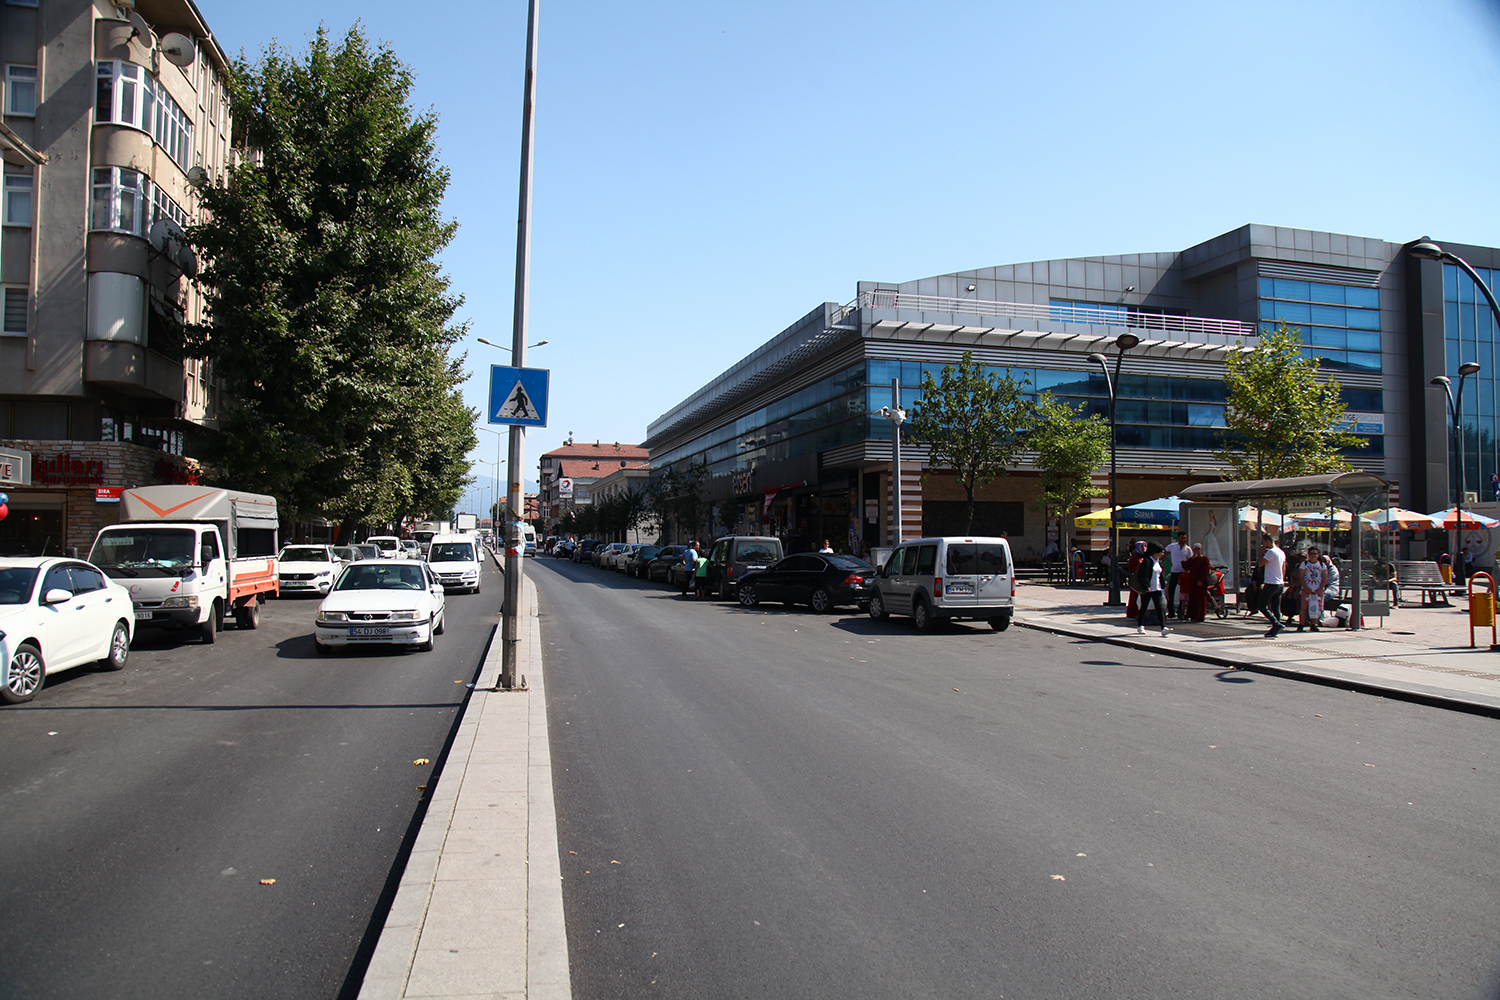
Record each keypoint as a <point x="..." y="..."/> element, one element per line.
<point x="108" y="494"/>
<point x="65" y="470"/>
<point x="15" y="468"/>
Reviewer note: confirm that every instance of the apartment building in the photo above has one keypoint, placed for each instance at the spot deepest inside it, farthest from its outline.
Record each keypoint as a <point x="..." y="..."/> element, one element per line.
<point x="112" y="113"/>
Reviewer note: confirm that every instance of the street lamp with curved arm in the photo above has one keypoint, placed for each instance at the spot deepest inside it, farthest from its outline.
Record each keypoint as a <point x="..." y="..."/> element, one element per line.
<point x="1123" y="343"/>
<point x="491" y="343"/>
<point x="1455" y="411"/>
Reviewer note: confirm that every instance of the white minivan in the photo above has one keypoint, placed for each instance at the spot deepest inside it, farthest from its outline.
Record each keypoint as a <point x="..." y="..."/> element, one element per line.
<point x="456" y="561"/>
<point x="936" y="578"/>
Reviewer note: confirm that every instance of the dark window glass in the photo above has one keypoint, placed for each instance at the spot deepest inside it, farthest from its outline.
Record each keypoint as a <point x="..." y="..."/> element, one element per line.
<point x="57" y="579"/>
<point x="926" y="560"/>
<point x="909" y="560"/>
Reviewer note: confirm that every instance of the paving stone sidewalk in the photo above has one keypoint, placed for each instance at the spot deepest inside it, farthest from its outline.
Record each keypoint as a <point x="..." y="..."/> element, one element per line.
<point x="1421" y="653"/>
<point x="479" y="913"/>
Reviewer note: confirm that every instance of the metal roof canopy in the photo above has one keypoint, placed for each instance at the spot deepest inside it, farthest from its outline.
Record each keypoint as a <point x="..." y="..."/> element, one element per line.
<point x="1356" y="489"/>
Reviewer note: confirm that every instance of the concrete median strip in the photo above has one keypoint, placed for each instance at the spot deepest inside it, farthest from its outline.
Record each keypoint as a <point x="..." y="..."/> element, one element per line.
<point x="479" y="910"/>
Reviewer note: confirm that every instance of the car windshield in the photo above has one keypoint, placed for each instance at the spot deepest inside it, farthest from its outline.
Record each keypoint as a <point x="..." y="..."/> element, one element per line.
<point x="304" y="553"/>
<point x="16" y="583"/>
<point x="382" y="578"/>
<point x="388" y="544"/>
<point x="145" y="551"/>
<point x="451" y="552"/>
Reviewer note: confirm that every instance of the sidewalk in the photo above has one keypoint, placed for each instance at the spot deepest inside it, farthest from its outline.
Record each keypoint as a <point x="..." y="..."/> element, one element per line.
<point x="1419" y="653"/>
<point x="479" y="912"/>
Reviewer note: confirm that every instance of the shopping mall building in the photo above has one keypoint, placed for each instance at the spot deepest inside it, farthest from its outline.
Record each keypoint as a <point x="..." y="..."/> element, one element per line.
<point x="795" y="447"/>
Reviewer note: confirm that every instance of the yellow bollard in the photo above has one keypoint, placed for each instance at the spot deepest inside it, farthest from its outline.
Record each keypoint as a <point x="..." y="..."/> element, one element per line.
<point x="1481" y="609"/>
<point x="1447" y="572"/>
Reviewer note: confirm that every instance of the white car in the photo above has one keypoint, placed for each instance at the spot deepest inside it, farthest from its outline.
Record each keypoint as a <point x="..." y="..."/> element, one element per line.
<point x="382" y="601"/>
<point x="389" y="545"/>
<point x="307" y="569"/>
<point x="57" y="614"/>
<point x="623" y="556"/>
<point x="457" y="561"/>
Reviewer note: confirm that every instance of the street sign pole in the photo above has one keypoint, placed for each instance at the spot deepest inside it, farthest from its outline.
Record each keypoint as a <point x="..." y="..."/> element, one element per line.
<point x="510" y="632"/>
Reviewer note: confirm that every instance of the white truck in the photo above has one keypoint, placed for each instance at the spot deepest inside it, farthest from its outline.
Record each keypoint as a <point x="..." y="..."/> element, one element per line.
<point x="192" y="554"/>
<point x="424" y="531"/>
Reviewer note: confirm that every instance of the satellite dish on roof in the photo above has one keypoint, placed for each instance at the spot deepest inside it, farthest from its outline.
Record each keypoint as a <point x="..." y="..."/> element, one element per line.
<point x="197" y="176"/>
<point x="139" y="26"/>
<point x="188" y="261"/>
<point x="178" y="49"/>
<point x="159" y="233"/>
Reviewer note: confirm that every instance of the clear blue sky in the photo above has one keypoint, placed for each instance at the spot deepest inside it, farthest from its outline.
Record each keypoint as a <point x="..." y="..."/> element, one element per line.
<point x="707" y="172"/>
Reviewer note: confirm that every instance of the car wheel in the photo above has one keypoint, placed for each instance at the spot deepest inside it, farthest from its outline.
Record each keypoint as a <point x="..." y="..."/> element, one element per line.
<point x="748" y="597"/>
<point x="426" y="647"/>
<point x="247" y="615"/>
<point x="877" y="608"/>
<point x="119" y="649"/>
<point x="209" y="629"/>
<point x="921" y="616"/>
<point x="1000" y="623"/>
<point x="441" y="626"/>
<point x="821" y="601"/>
<point x="24" y="678"/>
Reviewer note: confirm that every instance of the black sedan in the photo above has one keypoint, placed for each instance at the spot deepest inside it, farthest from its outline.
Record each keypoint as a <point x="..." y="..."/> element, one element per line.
<point x="660" y="566"/>
<point x="636" y="562"/>
<point x="821" y="581"/>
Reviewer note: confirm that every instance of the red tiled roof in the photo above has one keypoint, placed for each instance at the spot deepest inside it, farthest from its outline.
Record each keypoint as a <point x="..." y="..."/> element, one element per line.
<point x="589" y="468"/>
<point x="599" y="450"/>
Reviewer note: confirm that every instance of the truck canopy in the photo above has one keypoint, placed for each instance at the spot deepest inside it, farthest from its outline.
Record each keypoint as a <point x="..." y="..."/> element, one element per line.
<point x="198" y="503"/>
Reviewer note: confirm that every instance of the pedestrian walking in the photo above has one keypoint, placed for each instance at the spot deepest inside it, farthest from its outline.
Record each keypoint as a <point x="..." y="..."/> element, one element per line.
<point x="1150" y="579"/>
<point x="1137" y="556"/>
<point x="1273" y="580"/>
<point x="689" y="566"/>
<point x="1178" y="552"/>
<point x="1313" y="582"/>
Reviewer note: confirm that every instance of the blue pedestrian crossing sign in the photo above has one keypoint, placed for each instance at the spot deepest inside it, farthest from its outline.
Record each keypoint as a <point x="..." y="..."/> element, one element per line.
<point x="518" y="396"/>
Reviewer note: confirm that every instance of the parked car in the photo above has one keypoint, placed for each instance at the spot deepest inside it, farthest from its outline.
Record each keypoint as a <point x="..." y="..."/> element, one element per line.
<point x="604" y="556"/>
<point x="635" y="562"/>
<point x="389" y="545"/>
<point x="823" y="581"/>
<point x="732" y="556"/>
<point x="623" y="556"/>
<point x="936" y="578"/>
<point x="55" y="615"/>
<point x="660" y="566"/>
<point x="383" y="601"/>
<point x="584" y="549"/>
<point x="307" y="569"/>
<point x="457" y="561"/>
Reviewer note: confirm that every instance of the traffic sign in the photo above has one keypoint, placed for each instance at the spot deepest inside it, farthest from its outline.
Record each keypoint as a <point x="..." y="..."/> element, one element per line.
<point x="518" y="396"/>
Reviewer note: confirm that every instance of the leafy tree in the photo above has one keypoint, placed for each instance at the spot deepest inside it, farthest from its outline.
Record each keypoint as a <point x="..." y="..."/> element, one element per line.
<point x="676" y="498"/>
<point x="973" y="421"/>
<point x="1282" y="418"/>
<point x="1069" y="448"/>
<point x="329" y="321"/>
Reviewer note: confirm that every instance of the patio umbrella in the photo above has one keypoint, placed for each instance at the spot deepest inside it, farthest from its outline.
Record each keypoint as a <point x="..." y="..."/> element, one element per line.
<point x="1399" y="517"/>
<point x="1137" y="516"/>
<point x="1342" y="520"/>
<point x="1449" y="519"/>
<point x="1254" y="517"/>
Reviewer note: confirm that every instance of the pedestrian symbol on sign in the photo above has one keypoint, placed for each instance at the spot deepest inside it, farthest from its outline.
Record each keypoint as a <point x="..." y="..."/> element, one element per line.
<point x="517" y="405"/>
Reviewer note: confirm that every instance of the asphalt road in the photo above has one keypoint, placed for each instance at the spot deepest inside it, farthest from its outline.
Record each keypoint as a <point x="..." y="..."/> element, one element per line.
<point x="763" y="803"/>
<point x="143" y="809"/>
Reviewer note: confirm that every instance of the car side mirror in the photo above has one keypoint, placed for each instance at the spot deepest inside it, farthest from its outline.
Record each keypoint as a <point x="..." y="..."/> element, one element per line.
<point x="206" y="556"/>
<point x="57" y="596"/>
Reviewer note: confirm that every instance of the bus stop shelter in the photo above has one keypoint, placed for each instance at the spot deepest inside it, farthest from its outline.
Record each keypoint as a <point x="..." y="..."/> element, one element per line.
<point x="1355" y="492"/>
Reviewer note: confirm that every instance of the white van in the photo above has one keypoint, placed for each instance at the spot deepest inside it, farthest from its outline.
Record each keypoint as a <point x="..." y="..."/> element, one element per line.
<point x="456" y="559"/>
<point x="936" y="578"/>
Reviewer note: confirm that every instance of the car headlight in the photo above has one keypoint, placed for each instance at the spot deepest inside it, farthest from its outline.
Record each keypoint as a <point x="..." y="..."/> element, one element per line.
<point x="332" y="616"/>
<point x="403" y="616"/>
<point x="181" y="602"/>
<point x="326" y="572"/>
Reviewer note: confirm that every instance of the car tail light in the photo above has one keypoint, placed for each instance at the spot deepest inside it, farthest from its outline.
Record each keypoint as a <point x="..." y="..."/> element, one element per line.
<point x="937" y="586"/>
<point x="729" y="571"/>
<point x="854" y="580"/>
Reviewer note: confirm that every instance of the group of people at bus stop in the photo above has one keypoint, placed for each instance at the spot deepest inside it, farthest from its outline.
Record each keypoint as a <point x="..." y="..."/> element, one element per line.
<point x="1177" y="581"/>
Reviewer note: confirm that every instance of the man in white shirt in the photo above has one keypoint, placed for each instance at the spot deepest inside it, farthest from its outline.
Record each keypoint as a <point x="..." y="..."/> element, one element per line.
<point x="1273" y="563"/>
<point x="1177" y="552"/>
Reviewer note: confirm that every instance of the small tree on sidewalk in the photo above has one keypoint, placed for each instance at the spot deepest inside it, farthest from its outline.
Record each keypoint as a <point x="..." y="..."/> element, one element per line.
<point x="1069" y="449"/>
<point x="974" y="421"/>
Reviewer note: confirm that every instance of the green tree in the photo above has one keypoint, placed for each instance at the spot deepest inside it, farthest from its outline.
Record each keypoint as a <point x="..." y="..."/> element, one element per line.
<point x="1069" y="449"/>
<point x="1283" y="419"/>
<point x="329" y="323"/>
<point x="973" y="421"/>
<point x="676" y="498"/>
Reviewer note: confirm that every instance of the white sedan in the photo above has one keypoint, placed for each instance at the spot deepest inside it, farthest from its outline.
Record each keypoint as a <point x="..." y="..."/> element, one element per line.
<point x="57" y="614"/>
<point x="307" y="569"/>
<point x="382" y="601"/>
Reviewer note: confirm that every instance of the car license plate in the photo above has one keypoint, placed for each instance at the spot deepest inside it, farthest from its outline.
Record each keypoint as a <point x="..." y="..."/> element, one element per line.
<point x="143" y="616"/>
<point x="370" y="630"/>
<point x="960" y="588"/>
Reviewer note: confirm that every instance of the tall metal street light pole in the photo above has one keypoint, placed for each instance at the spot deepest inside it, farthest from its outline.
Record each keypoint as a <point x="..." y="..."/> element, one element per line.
<point x="1455" y="411"/>
<point x="1428" y="250"/>
<point x="897" y="417"/>
<point x="1123" y="343"/>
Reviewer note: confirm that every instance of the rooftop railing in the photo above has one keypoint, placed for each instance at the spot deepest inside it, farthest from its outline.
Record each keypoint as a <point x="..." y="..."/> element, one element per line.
<point x="1187" y="326"/>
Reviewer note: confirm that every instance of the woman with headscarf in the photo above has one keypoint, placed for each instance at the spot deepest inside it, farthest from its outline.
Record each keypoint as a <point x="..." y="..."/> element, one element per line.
<point x="1137" y="556"/>
<point x="1197" y="570"/>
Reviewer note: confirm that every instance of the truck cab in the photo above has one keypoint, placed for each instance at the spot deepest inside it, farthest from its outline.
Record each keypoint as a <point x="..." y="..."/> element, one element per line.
<point x="190" y="555"/>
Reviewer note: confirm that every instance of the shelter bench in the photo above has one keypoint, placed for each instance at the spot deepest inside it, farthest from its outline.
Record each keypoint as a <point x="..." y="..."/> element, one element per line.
<point x="1426" y="577"/>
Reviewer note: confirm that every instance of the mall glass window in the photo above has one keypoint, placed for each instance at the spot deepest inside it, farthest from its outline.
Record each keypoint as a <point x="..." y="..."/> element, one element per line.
<point x="1471" y="335"/>
<point x="1340" y="324"/>
<point x="20" y="90"/>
